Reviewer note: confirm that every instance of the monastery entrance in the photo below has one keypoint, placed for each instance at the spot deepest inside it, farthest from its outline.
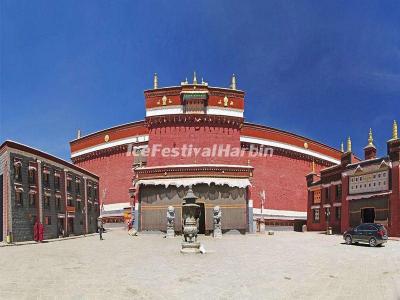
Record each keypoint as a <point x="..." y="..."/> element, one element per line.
<point x="368" y="215"/>
<point x="202" y="219"/>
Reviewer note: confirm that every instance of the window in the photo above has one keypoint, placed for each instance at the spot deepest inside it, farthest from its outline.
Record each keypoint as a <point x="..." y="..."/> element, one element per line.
<point x="46" y="201"/>
<point x="32" y="200"/>
<point x="17" y="171"/>
<point x="32" y="177"/>
<point x="18" y="199"/>
<point x="70" y="202"/>
<point x="78" y="187"/>
<point x="317" y="196"/>
<point x="339" y="191"/>
<point x="327" y="194"/>
<point x="78" y="205"/>
<point x="328" y="213"/>
<point x="57" y="182"/>
<point x="69" y="185"/>
<point x="47" y="220"/>
<point x="89" y="191"/>
<point x="338" y="211"/>
<point x="316" y="215"/>
<point x="58" y="203"/>
<point x="46" y="179"/>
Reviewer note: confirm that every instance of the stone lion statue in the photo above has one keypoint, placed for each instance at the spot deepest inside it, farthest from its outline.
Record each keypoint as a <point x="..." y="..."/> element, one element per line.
<point x="217" y="214"/>
<point x="170" y="216"/>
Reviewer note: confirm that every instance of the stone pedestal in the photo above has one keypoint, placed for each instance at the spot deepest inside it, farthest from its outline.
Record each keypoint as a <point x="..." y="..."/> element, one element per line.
<point x="190" y="248"/>
<point x="170" y="233"/>
<point x="262" y="226"/>
<point x="217" y="233"/>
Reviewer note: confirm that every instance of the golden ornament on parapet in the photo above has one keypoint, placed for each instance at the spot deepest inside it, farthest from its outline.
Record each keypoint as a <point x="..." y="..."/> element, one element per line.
<point x="106" y="138"/>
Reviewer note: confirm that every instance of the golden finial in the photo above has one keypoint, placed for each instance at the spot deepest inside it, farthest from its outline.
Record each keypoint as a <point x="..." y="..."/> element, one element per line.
<point x="394" y="133"/>
<point x="342" y="147"/>
<point x="155" y="81"/>
<point x="194" y="78"/>
<point x="313" y="166"/>
<point x="348" y="144"/>
<point x="370" y="138"/>
<point x="233" y="83"/>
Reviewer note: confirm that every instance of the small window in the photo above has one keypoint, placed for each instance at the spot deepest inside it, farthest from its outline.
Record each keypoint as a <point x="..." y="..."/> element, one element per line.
<point x="46" y="179"/>
<point x="18" y="199"/>
<point x="57" y="182"/>
<point x="58" y="202"/>
<point x="78" y="188"/>
<point x="32" y="200"/>
<point x="32" y="177"/>
<point x="316" y="215"/>
<point x="17" y="172"/>
<point x="69" y="185"/>
<point x="384" y="174"/>
<point x="338" y="211"/>
<point x="47" y="220"/>
<point x="47" y="201"/>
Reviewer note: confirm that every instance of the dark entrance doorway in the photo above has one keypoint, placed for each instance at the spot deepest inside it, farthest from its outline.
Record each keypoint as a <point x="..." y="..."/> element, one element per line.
<point x="60" y="227"/>
<point x="70" y="226"/>
<point x="202" y="219"/>
<point x="368" y="215"/>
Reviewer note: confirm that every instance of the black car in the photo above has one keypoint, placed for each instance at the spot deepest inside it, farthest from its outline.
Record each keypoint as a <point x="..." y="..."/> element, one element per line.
<point x="371" y="233"/>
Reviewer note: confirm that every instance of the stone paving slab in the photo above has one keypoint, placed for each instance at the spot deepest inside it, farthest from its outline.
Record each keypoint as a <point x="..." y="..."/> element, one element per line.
<point x="287" y="265"/>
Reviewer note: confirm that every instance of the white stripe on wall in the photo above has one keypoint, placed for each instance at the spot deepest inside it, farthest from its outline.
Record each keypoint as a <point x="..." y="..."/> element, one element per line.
<point x="252" y="140"/>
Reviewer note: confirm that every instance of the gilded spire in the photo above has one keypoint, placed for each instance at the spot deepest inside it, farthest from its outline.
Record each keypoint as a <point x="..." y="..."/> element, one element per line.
<point x="342" y="147"/>
<point x="394" y="131"/>
<point x="313" y="166"/>
<point x="370" y="139"/>
<point x="194" y="78"/>
<point x="233" y="83"/>
<point x="155" y="81"/>
<point x="348" y="144"/>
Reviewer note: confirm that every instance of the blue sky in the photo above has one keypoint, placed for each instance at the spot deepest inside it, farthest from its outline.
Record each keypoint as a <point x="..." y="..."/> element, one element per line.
<point x="323" y="69"/>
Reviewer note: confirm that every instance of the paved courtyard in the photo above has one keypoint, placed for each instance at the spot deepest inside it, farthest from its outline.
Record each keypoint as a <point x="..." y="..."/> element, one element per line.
<point x="287" y="265"/>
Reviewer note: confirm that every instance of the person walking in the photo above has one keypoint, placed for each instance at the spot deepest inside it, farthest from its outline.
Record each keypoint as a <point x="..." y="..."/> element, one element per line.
<point x="100" y="227"/>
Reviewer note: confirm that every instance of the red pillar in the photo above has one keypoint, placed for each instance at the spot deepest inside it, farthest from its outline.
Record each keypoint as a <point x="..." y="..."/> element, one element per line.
<point x="345" y="219"/>
<point x="394" y="225"/>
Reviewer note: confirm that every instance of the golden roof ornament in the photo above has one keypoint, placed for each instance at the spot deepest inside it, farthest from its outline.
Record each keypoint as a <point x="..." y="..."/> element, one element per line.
<point x="342" y="147"/>
<point x="79" y="134"/>
<point x="313" y="166"/>
<point x="348" y="144"/>
<point x="370" y="139"/>
<point x="394" y="131"/>
<point x="233" y="83"/>
<point x="155" y="81"/>
<point x="194" y="78"/>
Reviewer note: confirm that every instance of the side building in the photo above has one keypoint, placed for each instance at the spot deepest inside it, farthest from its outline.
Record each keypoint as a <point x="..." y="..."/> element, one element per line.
<point x="38" y="187"/>
<point x="357" y="192"/>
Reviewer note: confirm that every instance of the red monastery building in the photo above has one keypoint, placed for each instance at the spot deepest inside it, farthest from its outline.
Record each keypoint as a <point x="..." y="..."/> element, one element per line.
<point x="195" y="135"/>
<point x="356" y="192"/>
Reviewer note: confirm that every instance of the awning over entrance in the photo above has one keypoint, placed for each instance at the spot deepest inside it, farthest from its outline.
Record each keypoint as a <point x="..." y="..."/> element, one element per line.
<point x="232" y="182"/>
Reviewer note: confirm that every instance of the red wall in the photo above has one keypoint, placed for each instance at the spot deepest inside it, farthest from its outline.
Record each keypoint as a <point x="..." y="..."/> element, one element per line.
<point x="115" y="172"/>
<point x="282" y="178"/>
<point x="177" y="136"/>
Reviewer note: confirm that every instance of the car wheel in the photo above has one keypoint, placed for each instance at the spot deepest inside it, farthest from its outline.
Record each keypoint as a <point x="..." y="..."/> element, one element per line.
<point x="348" y="240"/>
<point x="372" y="242"/>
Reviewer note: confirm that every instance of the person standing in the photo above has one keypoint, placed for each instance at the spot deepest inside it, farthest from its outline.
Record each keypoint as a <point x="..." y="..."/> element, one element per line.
<point x="100" y="227"/>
